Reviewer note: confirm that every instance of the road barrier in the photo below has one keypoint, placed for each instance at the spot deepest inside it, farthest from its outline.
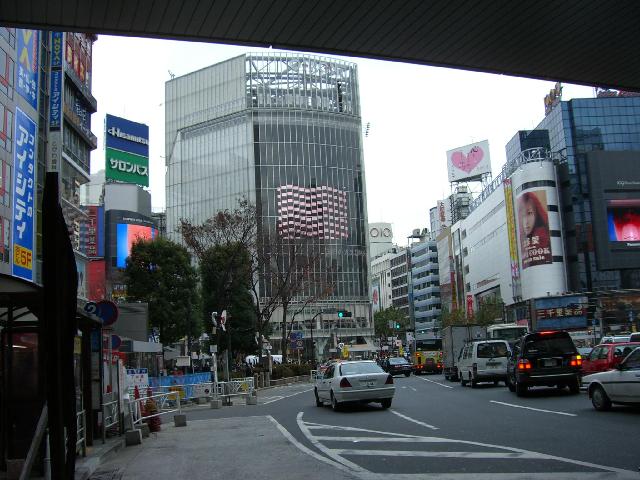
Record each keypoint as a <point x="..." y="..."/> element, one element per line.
<point x="287" y="380"/>
<point x="110" y="417"/>
<point x="81" y="432"/>
<point x="168" y="402"/>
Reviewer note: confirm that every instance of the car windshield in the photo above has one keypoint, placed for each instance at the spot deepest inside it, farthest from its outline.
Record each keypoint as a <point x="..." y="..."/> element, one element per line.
<point x="359" y="367"/>
<point x="492" y="350"/>
<point x="550" y="345"/>
<point x="397" y="361"/>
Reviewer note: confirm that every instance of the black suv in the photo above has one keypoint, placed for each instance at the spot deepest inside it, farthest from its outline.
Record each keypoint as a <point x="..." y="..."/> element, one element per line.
<point x="544" y="358"/>
<point x="397" y="366"/>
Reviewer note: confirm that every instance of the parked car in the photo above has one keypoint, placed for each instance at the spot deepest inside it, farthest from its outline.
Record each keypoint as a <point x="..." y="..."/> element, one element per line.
<point x="616" y="339"/>
<point x="606" y="356"/>
<point x="397" y="366"/>
<point x="620" y="385"/>
<point x="483" y="361"/>
<point x="547" y="358"/>
<point x="360" y="381"/>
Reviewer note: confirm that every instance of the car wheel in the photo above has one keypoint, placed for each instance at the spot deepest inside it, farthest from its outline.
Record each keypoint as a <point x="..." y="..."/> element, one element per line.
<point x="521" y="389"/>
<point x="406" y="374"/>
<point x="473" y="381"/>
<point x="574" y="386"/>
<point x="463" y="382"/>
<point x="335" y="405"/>
<point x="600" y="399"/>
<point x="510" y="385"/>
<point x="386" y="403"/>
<point x="319" y="402"/>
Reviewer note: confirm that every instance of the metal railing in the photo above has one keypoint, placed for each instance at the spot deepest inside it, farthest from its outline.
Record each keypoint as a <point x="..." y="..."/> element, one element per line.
<point x="243" y="386"/>
<point x="110" y="417"/>
<point x="168" y="402"/>
<point x="81" y="431"/>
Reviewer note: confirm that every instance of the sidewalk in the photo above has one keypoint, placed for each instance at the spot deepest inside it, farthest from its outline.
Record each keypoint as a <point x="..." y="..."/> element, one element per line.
<point x="228" y="448"/>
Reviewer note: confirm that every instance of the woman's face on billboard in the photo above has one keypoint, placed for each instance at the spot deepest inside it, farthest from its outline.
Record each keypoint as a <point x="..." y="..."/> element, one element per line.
<point x="528" y="217"/>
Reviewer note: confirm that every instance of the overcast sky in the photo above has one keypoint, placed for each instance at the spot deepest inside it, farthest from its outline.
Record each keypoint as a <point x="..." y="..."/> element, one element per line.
<point x="416" y="113"/>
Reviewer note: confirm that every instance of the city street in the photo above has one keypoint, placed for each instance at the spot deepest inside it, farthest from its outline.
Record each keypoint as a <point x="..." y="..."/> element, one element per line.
<point x="454" y="432"/>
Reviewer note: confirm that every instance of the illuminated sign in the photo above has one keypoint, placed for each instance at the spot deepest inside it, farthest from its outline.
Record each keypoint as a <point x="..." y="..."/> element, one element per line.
<point x="23" y="195"/>
<point x="127" y="151"/>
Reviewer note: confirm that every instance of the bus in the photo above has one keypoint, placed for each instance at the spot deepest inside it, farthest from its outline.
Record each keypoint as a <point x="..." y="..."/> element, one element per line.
<point x="506" y="331"/>
<point x="427" y="357"/>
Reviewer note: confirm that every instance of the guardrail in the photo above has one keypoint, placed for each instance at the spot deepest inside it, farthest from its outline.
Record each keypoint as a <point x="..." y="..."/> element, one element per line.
<point x="242" y="386"/>
<point x="168" y="402"/>
<point x="81" y="432"/>
<point x="110" y="416"/>
<point x="287" y="380"/>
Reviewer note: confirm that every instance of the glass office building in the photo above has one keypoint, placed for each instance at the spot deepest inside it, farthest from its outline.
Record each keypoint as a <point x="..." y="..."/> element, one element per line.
<point x="284" y="131"/>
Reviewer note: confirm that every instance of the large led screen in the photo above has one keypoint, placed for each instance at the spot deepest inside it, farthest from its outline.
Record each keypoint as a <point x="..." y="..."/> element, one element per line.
<point x="623" y="219"/>
<point x="127" y="234"/>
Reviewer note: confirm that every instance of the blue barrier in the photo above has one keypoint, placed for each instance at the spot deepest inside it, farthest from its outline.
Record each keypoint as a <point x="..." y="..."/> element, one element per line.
<point x="184" y="381"/>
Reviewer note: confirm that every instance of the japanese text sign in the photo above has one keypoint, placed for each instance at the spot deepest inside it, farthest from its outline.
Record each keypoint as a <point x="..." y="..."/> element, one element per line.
<point x="27" y="81"/>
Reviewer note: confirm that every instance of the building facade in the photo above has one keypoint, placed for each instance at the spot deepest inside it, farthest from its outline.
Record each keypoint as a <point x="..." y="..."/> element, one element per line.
<point x="425" y="284"/>
<point x="284" y="132"/>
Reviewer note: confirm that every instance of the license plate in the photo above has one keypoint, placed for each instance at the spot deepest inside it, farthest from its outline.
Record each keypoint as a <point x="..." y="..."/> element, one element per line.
<point x="549" y="362"/>
<point x="371" y="383"/>
<point x="493" y="365"/>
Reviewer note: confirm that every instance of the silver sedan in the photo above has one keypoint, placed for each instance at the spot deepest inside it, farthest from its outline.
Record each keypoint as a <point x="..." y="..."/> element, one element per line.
<point x="361" y="381"/>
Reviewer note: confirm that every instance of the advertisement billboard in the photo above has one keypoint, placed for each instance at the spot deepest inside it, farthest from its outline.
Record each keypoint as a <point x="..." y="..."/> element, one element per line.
<point x="27" y="73"/>
<point x="560" y="313"/>
<point x="514" y="260"/>
<point x="24" y="156"/>
<point x="375" y="297"/>
<point x="469" y="162"/>
<point x="127" y="151"/>
<point x="614" y="193"/>
<point x="96" y="288"/>
<point x="94" y="234"/>
<point x="533" y="229"/>
<point x="126" y="235"/>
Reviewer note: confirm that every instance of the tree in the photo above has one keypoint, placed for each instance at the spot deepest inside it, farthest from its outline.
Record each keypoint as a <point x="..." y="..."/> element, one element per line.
<point x="455" y="317"/>
<point x="491" y="310"/>
<point x="160" y="273"/>
<point x="382" y="320"/>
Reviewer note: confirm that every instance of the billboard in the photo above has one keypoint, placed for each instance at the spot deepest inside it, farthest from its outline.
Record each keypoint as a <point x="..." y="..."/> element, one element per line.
<point x="127" y="234"/>
<point x="469" y="162"/>
<point x="27" y="77"/>
<point x="560" y="313"/>
<point x="533" y="229"/>
<point x="24" y="157"/>
<point x="96" y="288"/>
<point x="614" y="193"/>
<point x="94" y="234"/>
<point x="375" y="297"/>
<point x="127" y="151"/>
<point x="511" y="233"/>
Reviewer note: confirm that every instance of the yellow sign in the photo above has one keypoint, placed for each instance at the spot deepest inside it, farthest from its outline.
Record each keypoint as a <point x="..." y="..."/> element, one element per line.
<point x="22" y="257"/>
<point x="77" y="345"/>
<point x="345" y="352"/>
<point x="400" y="351"/>
<point x="180" y="391"/>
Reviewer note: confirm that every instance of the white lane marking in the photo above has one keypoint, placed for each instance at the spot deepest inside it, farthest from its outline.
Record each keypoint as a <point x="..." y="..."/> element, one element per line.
<point x="413" y="420"/>
<point x="404" y="386"/>
<point x="437" y="383"/>
<point x="318" y="426"/>
<point x="305" y="449"/>
<point x="413" y="389"/>
<point x="504" y="476"/>
<point x="534" y="409"/>
<point x="385" y="439"/>
<point x="414" y="453"/>
<point x="354" y="467"/>
<point x="286" y="396"/>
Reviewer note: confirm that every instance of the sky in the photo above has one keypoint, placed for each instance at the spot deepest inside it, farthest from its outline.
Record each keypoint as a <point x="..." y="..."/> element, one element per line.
<point x="416" y="113"/>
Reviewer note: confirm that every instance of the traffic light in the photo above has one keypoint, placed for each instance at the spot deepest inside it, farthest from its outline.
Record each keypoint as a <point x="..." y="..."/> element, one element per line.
<point x="344" y="314"/>
<point x="397" y="325"/>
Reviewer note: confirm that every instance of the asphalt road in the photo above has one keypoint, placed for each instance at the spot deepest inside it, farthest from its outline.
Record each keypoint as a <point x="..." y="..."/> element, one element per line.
<point x="452" y="432"/>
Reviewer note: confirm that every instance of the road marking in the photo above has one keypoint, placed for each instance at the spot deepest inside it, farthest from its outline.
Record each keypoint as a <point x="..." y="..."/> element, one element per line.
<point x="534" y="409"/>
<point x="319" y="426"/>
<point x="385" y="439"/>
<point x="305" y="449"/>
<point x="413" y="420"/>
<point x="437" y="383"/>
<point x="353" y="467"/>
<point x="414" y="453"/>
<point x="503" y="476"/>
<point x="413" y="389"/>
<point x="286" y="396"/>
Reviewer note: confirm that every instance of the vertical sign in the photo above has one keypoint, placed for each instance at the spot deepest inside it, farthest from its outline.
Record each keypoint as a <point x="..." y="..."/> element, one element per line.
<point x="127" y="151"/>
<point x="533" y="227"/>
<point x="27" y="84"/>
<point x="23" y="195"/>
<point x="55" y="102"/>
<point x="511" y="234"/>
<point x="469" y="306"/>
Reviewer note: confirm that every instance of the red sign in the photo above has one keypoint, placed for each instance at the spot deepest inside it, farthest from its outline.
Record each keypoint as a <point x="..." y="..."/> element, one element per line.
<point x="469" y="306"/>
<point x="96" y="280"/>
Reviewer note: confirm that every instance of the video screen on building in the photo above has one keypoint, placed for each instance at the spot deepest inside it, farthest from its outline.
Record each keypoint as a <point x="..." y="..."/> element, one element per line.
<point x="127" y="234"/>
<point x="623" y="219"/>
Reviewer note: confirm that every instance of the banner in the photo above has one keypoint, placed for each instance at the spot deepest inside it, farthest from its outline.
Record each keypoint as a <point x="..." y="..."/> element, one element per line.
<point x="24" y="156"/>
<point x="512" y="236"/>
<point x="533" y="228"/>
<point x="27" y="77"/>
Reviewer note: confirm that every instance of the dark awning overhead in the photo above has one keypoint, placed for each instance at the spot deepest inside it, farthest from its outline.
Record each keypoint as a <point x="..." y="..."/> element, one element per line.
<point x="580" y="41"/>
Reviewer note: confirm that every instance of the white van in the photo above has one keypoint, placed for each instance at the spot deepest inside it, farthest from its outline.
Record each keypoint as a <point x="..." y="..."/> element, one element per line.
<point x="483" y="361"/>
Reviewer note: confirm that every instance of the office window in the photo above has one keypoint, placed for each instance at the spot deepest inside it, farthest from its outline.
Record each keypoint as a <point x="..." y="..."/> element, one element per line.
<point x="6" y="121"/>
<point x="7" y="67"/>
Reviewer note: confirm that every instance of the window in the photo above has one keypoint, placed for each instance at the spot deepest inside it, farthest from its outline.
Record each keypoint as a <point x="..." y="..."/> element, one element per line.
<point x="492" y="350"/>
<point x="7" y="67"/>
<point x="603" y="354"/>
<point x="9" y="35"/>
<point x="357" y="368"/>
<point x="6" y="121"/>
<point x="633" y="360"/>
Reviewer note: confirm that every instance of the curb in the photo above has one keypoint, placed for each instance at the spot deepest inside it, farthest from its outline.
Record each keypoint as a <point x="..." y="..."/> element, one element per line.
<point x="88" y="465"/>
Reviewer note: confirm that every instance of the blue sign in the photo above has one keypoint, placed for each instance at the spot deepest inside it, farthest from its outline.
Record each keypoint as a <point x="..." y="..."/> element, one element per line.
<point x="55" y="100"/>
<point x="296" y="335"/>
<point x="56" y="49"/>
<point x="127" y="136"/>
<point x="568" y="312"/>
<point x="24" y="156"/>
<point x="27" y="84"/>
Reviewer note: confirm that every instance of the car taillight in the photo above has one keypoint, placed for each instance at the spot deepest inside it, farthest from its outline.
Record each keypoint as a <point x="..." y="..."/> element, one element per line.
<point x="389" y="380"/>
<point x="576" y="361"/>
<point x="344" y="383"/>
<point x="524" y="364"/>
<point x="439" y="365"/>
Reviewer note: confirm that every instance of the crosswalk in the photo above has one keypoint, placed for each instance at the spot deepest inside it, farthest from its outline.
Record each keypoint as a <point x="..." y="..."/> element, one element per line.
<point x="373" y="454"/>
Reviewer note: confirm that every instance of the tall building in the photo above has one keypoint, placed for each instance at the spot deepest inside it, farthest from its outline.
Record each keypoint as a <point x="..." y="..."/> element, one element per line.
<point x="425" y="284"/>
<point x="380" y="239"/>
<point x="400" y="278"/>
<point x="284" y="131"/>
<point x="381" y="292"/>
